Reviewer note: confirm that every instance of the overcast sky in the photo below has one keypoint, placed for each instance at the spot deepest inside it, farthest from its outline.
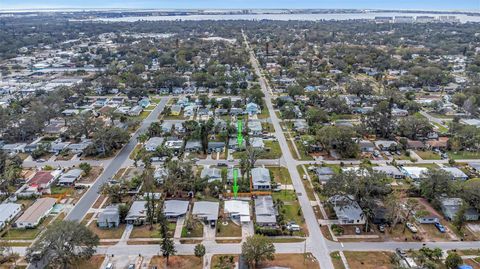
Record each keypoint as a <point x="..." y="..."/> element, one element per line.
<point x="472" y="5"/>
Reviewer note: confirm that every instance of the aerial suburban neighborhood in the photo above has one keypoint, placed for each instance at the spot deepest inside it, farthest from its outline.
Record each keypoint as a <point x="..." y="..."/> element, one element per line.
<point x="128" y="141"/>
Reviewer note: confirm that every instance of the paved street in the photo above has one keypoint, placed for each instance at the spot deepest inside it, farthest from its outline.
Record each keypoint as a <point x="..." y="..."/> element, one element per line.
<point x="316" y="243"/>
<point x="115" y="164"/>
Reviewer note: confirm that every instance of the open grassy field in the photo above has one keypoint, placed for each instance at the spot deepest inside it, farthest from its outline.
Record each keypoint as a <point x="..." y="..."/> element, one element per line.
<point x="177" y="262"/>
<point x="368" y="260"/>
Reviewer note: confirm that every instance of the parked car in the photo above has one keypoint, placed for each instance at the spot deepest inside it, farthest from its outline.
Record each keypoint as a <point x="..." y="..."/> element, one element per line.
<point x="411" y="227"/>
<point x="109" y="266"/>
<point x="131" y="266"/>
<point x="41" y="160"/>
<point x="440" y="227"/>
<point x="222" y="164"/>
<point x="357" y="230"/>
<point x="293" y="227"/>
<point x="381" y="228"/>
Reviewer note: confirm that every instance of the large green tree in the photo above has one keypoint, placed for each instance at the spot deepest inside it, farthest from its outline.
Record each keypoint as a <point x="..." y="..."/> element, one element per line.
<point x="258" y="248"/>
<point x="63" y="244"/>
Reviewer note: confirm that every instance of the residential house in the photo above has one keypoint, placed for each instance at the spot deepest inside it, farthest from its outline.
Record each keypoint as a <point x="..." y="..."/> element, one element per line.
<point x="385" y="144"/>
<point x="300" y="125"/>
<point x="211" y="173"/>
<point x="230" y="174"/>
<point x="69" y="178"/>
<point x="238" y="210"/>
<point x="135" y="111"/>
<point x="193" y="146"/>
<point x="77" y="148"/>
<point x="160" y="174"/>
<point x="174" y="144"/>
<point x="174" y="209"/>
<point x="8" y="211"/>
<point x="324" y="173"/>
<point x="429" y="219"/>
<point x="347" y="210"/>
<point x="216" y="147"/>
<point x="456" y="173"/>
<point x="257" y="143"/>
<point x="109" y="217"/>
<point x="235" y="111"/>
<point x="153" y="143"/>
<point x="390" y="171"/>
<point x="206" y="211"/>
<point x="397" y="112"/>
<point x="14" y="148"/>
<point x="58" y="146"/>
<point x="414" y="172"/>
<point x="254" y="127"/>
<point x="451" y="207"/>
<point x="137" y="214"/>
<point x="35" y="213"/>
<point x="415" y="145"/>
<point x="144" y="102"/>
<point x="438" y="144"/>
<point x="265" y="212"/>
<point x="175" y="110"/>
<point x="366" y="146"/>
<point x="252" y="109"/>
<point x="42" y="180"/>
<point x="261" y="178"/>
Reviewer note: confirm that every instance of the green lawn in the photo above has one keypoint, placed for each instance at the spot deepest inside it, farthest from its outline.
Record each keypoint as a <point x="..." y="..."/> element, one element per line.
<point x="274" y="153"/>
<point x="229" y="230"/>
<point x="464" y="155"/>
<point x="280" y="175"/>
<point x="428" y="155"/>
<point x="145" y="232"/>
<point x="26" y="234"/>
<point x="197" y="231"/>
<point x="285" y="196"/>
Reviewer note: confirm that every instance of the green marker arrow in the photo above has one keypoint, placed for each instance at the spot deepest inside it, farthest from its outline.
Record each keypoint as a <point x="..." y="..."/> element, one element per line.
<point x="235" y="184"/>
<point x="239" y="133"/>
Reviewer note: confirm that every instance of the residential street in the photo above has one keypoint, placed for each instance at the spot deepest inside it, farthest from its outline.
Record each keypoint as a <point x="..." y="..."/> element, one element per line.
<point x="115" y="164"/>
<point x="316" y="243"/>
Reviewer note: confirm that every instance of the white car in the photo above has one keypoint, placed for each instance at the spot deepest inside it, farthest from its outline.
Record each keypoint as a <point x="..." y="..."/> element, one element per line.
<point x="293" y="227"/>
<point x="411" y="227"/>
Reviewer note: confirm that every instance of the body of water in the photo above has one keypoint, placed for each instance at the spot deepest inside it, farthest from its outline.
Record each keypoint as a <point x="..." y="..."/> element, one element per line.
<point x="286" y="17"/>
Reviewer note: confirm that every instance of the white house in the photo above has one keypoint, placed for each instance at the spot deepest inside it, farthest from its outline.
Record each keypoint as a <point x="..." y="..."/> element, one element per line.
<point x="35" y="213"/>
<point x="237" y="209"/>
<point x="8" y="212"/>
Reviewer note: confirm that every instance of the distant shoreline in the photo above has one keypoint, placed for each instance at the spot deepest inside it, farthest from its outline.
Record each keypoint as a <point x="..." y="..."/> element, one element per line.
<point x="216" y="11"/>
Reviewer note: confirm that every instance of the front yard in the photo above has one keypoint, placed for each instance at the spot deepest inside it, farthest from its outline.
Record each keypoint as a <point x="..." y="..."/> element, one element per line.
<point x="107" y="233"/>
<point x="231" y="229"/>
<point x="369" y="260"/>
<point x="144" y="231"/>
<point x="177" y="262"/>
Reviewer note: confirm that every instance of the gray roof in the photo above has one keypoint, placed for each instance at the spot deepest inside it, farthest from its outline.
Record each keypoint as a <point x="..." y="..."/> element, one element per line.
<point x="8" y="211"/>
<point x="109" y="214"/>
<point x="207" y="210"/>
<point x="175" y="208"/>
<point x="260" y="176"/>
<point x="211" y="173"/>
<point x="154" y="142"/>
<point x="193" y="144"/>
<point x="346" y="208"/>
<point x="70" y="176"/>
<point x="254" y="125"/>
<point x="264" y="210"/>
<point x="137" y="210"/>
<point x="390" y="170"/>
